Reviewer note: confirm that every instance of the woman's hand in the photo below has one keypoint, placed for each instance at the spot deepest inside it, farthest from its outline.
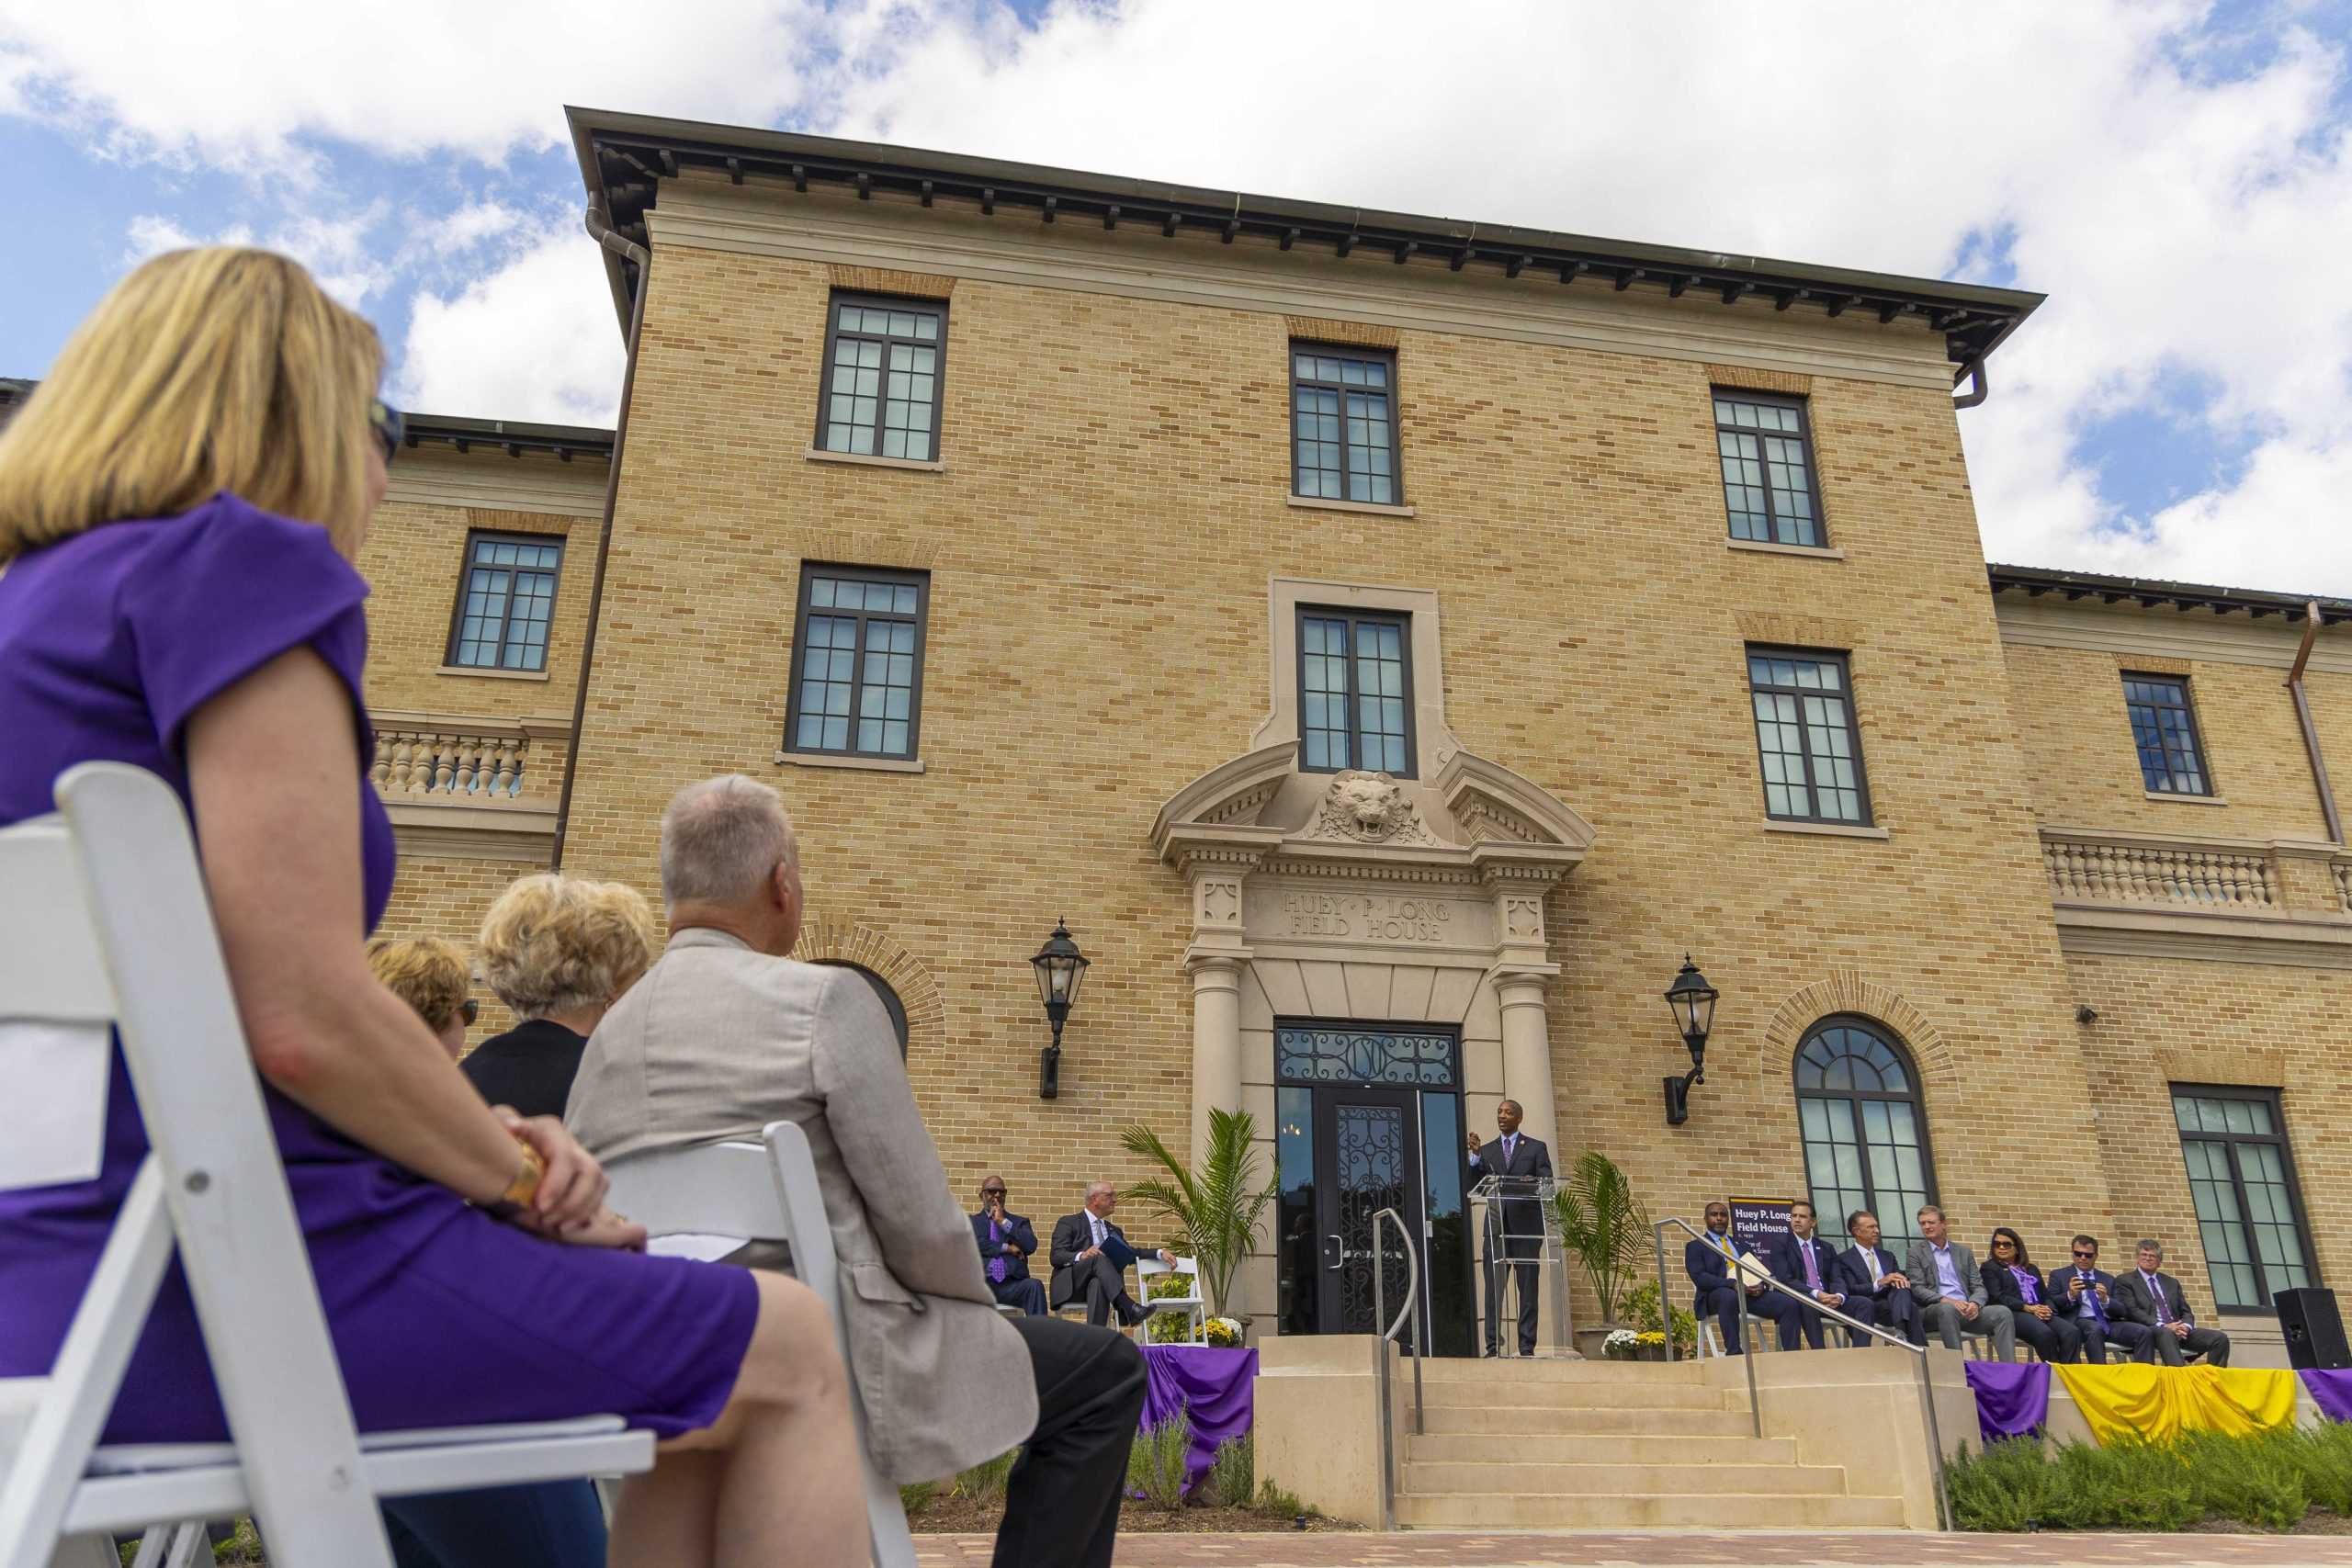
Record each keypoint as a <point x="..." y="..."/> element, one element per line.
<point x="571" y="1192"/>
<point x="605" y="1229"/>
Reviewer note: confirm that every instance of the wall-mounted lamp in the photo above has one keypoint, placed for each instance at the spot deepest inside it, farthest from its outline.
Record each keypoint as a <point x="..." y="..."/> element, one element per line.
<point x="1694" y="1001"/>
<point x="1061" y="969"/>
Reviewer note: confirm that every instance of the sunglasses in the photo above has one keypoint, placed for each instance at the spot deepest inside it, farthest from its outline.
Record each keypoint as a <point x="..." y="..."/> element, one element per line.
<point x="2082" y="1253"/>
<point x="991" y="1191"/>
<point x="388" y="426"/>
<point x="469" y="1009"/>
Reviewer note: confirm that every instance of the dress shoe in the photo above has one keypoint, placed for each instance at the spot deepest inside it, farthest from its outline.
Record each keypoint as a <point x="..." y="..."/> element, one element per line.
<point x="1130" y="1314"/>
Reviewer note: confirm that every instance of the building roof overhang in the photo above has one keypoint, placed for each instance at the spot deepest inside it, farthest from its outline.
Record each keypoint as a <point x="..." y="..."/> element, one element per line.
<point x="624" y="158"/>
<point x="2150" y="593"/>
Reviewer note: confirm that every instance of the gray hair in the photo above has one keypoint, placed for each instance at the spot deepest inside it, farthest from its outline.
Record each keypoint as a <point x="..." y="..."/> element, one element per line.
<point x="721" y="838"/>
<point x="2148" y="1244"/>
<point x="1099" y="1187"/>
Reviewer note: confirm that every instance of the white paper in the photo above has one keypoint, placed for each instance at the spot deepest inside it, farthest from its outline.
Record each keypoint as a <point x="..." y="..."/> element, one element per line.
<point x="53" y="1082"/>
<point x="696" y="1245"/>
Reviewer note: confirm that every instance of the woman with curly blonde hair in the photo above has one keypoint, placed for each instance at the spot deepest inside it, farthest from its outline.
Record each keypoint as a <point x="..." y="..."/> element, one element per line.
<point x="558" y="951"/>
<point x="430" y="974"/>
<point x="180" y="505"/>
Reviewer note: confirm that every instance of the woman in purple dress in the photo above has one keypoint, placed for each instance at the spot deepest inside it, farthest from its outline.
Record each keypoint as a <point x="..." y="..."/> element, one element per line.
<point x="180" y="505"/>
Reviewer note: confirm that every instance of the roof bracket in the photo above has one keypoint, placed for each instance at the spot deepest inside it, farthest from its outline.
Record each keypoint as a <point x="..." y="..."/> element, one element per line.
<point x="1404" y="248"/>
<point x="1571" y="271"/>
<point x="1838" y="303"/>
<point x="926" y="193"/>
<point x="1347" y="243"/>
<point x="1888" y="310"/>
<point x="1679" y="282"/>
<point x="800" y="176"/>
<point x="1168" y="224"/>
<point x="1290" y="238"/>
<point x="735" y="171"/>
<point x="1232" y="227"/>
<point x="1516" y="265"/>
<point x="987" y="201"/>
<point x="669" y="162"/>
<point x="1053" y="204"/>
<point x="1732" y="291"/>
<point x="1628" y="278"/>
<point x="1110" y="216"/>
<point x="866" y="187"/>
<point x="1789" y="297"/>
<point x="1459" y="257"/>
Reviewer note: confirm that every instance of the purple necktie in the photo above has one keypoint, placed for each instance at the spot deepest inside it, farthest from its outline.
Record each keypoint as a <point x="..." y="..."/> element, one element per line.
<point x="1811" y="1269"/>
<point x="996" y="1258"/>
<point x="2090" y="1295"/>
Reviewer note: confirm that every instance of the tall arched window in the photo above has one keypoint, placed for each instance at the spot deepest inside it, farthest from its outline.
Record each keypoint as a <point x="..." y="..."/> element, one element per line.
<point x="882" y="993"/>
<point x="1865" y="1130"/>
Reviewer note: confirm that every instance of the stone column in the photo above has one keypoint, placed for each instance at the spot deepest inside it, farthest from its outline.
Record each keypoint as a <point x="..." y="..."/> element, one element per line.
<point x="1527" y="1054"/>
<point x="1216" y="1042"/>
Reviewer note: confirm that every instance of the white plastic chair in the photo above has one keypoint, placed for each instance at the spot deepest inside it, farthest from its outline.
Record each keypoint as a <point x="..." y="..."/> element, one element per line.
<point x="104" y="919"/>
<point x="1195" y="1310"/>
<point x="763" y="1193"/>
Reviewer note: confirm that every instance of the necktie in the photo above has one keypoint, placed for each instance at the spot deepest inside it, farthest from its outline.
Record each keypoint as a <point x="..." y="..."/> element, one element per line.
<point x="1811" y="1269"/>
<point x="996" y="1254"/>
<point x="1096" y="1221"/>
<point x="2157" y="1292"/>
<point x="1870" y="1255"/>
<point x="1509" y="1144"/>
<point x="2090" y="1295"/>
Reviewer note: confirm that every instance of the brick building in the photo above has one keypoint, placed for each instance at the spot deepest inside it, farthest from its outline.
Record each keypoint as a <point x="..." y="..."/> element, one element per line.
<point x="1069" y="547"/>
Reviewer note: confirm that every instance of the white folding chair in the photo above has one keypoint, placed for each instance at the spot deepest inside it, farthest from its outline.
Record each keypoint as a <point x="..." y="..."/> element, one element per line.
<point x="762" y="1193"/>
<point x="1195" y="1309"/>
<point x="104" y="919"/>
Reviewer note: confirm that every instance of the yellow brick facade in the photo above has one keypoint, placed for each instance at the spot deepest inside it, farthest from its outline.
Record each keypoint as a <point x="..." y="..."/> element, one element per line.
<point x="1112" y="501"/>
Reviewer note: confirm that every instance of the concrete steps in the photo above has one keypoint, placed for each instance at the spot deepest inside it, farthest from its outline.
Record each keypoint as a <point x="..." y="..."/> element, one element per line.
<point x="1593" y="1445"/>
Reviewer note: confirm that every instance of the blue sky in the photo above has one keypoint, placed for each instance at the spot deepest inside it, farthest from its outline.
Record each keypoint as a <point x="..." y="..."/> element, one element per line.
<point x="2177" y="176"/>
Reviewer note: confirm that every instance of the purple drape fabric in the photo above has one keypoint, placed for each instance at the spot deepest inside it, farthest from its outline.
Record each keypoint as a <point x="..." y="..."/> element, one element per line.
<point x="2012" y="1397"/>
<point x="2331" y="1390"/>
<point x="1213" y="1382"/>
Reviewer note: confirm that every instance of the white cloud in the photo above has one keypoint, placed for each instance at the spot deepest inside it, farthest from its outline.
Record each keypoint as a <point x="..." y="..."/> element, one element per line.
<point x="534" y="339"/>
<point x="2185" y="213"/>
<point x="335" y="250"/>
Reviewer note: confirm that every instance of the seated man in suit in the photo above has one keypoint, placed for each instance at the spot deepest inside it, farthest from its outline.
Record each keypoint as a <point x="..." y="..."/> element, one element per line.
<point x="2083" y="1292"/>
<point x="2147" y="1295"/>
<point x="1800" y="1261"/>
<point x="1006" y="1240"/>
<point x="1876" y="1291"/>
<point x="1950" y="1291"/>
<point x="724" y="1034"/>
<point x="1514" y="1225"/>
<point x="1081" y="1270"/>
<point x="1711" y="1261"/>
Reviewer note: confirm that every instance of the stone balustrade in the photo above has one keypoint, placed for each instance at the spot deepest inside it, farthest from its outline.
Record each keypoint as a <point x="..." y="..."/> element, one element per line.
<point x="2343" y="870"/>
<point x="2133" y="869"/>
<point x="427" y="758"/>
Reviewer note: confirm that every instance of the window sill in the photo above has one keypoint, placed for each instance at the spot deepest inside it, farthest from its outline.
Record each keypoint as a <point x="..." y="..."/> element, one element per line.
<point x="493" y="674"/>
<point x="1824" y="829"/>
<point x="1765" y="546"/>
<point x="819" y="455"/>
<point x="2184" y="799"/>
<point x="865" y="764"/>
<point x="1320" y="503"/>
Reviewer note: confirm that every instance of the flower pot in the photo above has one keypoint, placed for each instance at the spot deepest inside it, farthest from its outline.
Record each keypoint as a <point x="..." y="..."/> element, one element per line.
<point x="1650" y="1353"/>
<point x="1591" y="1342"/>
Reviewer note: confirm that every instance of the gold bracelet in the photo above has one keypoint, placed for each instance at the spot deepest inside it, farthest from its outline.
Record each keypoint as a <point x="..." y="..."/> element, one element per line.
<point x="526" y="1186"/>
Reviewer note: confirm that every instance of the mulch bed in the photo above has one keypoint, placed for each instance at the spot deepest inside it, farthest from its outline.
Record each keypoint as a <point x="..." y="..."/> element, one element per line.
<point x="977" y="1515"/>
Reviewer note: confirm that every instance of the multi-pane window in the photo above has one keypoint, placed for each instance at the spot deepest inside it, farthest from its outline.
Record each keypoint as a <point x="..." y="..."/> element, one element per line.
<point x="504" y="602"/>
<point x="1865" y="1132"/>
<point x="2164" y="731"/>
<point x="1767" y="468"/>
<point x="1355" y="684"/>
<point x="1805" y="738"/>
<point x="882" y="365"/>
<point x="1344" y="424"/>
<point x="857" y="672"/>
<point x="2248" y="1212"/>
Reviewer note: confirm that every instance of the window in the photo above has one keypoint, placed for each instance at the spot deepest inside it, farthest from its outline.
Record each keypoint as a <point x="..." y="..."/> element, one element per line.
<point x="504" y="602"/>
<point x="1344" y="424"/>
<point x="858" y="682"/>
<point x="2248" y="1211"/>
<point x="891" y="1005"/>
<point x="1865" y="1131"/>
<point x="1805" y="738"/>
<point x="1355" y="693"/>
<point x="2171" y="761"/>
<point x="1767" y="468"/>
<point x="882" y="368"/>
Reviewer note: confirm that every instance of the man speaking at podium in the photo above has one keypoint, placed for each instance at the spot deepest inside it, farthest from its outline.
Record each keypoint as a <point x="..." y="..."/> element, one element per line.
<point x="1514" y="1225"/>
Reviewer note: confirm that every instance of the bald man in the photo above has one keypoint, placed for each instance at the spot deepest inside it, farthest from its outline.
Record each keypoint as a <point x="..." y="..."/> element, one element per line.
<point x="1081" y="1272"/>
<point x="1514" y="1225"/>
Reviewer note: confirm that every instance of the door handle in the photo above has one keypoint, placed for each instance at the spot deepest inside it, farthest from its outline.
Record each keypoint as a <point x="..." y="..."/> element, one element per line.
<point x="1337" y="1250"/>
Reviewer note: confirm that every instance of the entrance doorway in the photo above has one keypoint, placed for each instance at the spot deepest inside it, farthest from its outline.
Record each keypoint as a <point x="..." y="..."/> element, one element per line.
<point x="1369" y="1117"/>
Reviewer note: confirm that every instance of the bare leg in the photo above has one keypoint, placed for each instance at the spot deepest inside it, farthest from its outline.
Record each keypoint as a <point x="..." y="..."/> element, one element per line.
<point x="777" y="1478"/>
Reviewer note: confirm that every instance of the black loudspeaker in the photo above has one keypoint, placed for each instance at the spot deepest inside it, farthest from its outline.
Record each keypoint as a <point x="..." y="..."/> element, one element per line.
<point x="2313" y="1328"/>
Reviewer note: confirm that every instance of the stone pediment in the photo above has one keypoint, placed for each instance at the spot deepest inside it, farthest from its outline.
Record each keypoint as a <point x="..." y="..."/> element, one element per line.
<point x="1476" y="820"/>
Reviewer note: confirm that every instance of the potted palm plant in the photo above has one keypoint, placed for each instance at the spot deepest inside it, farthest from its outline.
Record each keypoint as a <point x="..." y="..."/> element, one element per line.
<point x="1604" y="1227"/>
<point x="1216" y="1208"/>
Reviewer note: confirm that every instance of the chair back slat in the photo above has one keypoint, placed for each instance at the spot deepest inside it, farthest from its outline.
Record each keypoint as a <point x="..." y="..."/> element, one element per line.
<point x="240" y="1243"/>
<point x="715" y="1190"/>
<point x="55" y="1007"/>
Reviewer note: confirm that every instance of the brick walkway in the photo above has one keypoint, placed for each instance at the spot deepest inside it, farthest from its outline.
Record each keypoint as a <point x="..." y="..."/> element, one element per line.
<point x="1665" y="1548"/>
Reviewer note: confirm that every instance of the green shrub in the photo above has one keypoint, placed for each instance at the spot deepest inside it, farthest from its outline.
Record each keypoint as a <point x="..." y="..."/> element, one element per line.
<point x="1232" y="1477"/>
<point x="1275" y="1503"/>
<point x="916" y="1496"/>
<point x="985" y="1481"/>
<point x="2323" y="1454"/>
<point x="2147" y="1487"/>
<point x="1156" y="1461"/>
<point x="1640" y="1311"/>
<point x="2266" y="1480"/>
<point x="2004" y="1488"/>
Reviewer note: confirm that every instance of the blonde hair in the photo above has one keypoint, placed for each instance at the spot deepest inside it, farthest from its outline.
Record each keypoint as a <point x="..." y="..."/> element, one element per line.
<point x="425" y="972"/>
<point x="205" y="370"/>
<point x="551" y="943"/>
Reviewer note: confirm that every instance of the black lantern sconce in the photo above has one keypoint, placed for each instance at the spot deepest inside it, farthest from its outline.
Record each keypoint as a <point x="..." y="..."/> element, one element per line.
<point x="1061" y="969"/>
<point x="1694" y="1001"/>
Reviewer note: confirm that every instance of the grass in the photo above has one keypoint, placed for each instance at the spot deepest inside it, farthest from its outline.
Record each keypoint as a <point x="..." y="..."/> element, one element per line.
<point x="2269" y="1481"/>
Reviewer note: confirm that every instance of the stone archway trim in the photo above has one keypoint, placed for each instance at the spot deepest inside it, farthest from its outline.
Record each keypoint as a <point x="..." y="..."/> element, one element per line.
<point x="827" y="937"/>
<point x="1846" y="991"/>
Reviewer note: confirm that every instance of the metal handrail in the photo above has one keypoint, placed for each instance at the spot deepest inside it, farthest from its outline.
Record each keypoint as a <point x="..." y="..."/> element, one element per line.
<point x="1412" y="1309"/>
<point x="1755" y="1410"/>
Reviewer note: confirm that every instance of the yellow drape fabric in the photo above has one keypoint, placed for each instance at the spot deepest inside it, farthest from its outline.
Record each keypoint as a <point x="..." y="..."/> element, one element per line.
<point x="2160" y="1402"/>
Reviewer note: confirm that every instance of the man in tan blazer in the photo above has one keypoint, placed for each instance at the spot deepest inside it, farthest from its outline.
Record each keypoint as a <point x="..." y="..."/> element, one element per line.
<point x="724" y="1034"/>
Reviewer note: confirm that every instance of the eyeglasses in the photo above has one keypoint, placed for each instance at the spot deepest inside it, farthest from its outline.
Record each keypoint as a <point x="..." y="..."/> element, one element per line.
<point x="469" y="1009"/>
<point x="2085" y="1253"/>
<point x="388" y="426"/>
<point x="991" y="1191"/>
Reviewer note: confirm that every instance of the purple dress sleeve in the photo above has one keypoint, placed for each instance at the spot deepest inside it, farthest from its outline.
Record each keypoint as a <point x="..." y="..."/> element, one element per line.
<point x="227" y="591"/>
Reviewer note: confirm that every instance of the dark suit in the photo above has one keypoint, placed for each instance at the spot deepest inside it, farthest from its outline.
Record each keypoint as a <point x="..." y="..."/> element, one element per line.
<point x="1786" y="1256"/>
<point x="2096" y="1322"/>
<point x="529" y="1068"/>
<point x="1016" y="1289"/>
<point x="2130" y="1302"/>
<point x="2060" y="1339"/>
<point x="1881" y="1305"/>
<point x="1514" y="1230"/>
<point x="1720" y="1293"/>
<point x="1102" y="1286"/>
